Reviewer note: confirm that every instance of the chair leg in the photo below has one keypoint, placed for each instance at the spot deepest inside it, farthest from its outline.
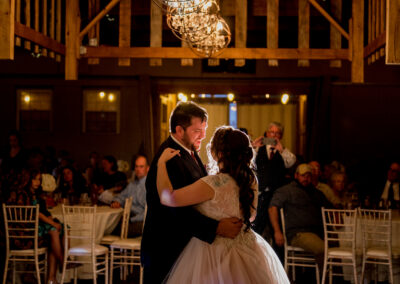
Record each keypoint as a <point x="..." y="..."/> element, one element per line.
<point x="5" y="269"/>
<point x="37" y="269"/>
<point x="106" y="270"/>
<point x="141" y="275"/>
<point x="324" y="271"/>
<point x="355" y="271"/>
<point x="390" y="272"/>
<point x="64" y="268"/>
<point x="14" y="274"/>
<point x="317" y="274"/>
<point x="111" y="265"/>
<point x="330" y="274"/>
<point x="362" y="271"/>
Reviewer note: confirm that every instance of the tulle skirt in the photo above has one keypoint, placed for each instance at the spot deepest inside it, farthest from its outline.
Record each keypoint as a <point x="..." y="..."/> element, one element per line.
<point x="246" y="259"/>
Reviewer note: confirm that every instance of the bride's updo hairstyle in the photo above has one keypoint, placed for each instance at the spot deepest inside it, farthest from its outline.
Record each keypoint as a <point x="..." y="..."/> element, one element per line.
<point x="231" y="148"/>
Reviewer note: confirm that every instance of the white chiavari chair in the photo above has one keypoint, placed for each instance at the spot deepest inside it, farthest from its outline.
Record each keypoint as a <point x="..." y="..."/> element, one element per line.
<point x="80" y="237"/>
<point x="21" y="224"/>
<point x="108" y="239"/>
<point x="340" y="241"/>
<point x="376" y="228"/>
<point x="296" y="256"/>
<point x="126" y="252"/>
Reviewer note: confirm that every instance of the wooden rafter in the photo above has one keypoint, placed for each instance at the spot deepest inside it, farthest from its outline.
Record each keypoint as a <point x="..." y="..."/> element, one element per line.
<point x="330" y="19"/>
<point x="98" y="17"/>
<point x="39" y="38"/>
<point x="228" y="53"/>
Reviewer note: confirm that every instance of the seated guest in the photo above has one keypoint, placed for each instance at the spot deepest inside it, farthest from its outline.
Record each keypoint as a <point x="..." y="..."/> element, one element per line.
<point x="302" y="203"/>
<point x="137" y="189"/>
<point x="338" y="185"/>
<point x="323" y="187"/>
<point x="389" y="196"/>
<point x="110" y="181"/>
<point x="72" y="185"/>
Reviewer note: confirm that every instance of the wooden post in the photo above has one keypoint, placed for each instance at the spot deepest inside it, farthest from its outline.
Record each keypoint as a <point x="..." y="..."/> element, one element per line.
<point x="155" y="31"/>
<point x="18" y="19"/>
<point x="304" y="30"/>
<point x="27" y="43"/>
<point x="124" y="29"/>
<point x="93" y="34"/>
<point x="185" y="61"/>
<point x="58" y="27"/>
<point x="44" y="24"/>
<point x="7" y="10"/>
<point x="369" y="60"/>
<point x="240" y="28"/>
<point x="383" y="22"/>
<point x="72" y="41"/>
<point x="336" y="37"/>
<point x="272" y="27"/>
<point x="357" y="64"/>
<point x="393" y="32"/>
<point x="378" y="23"/>
<point x="52" y="23"/>
<point x="36" y="23"/>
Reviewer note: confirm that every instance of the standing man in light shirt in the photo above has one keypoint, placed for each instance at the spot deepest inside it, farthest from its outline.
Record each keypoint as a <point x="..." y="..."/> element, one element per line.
<point x="137" y="189"/>
<point x="272" y="160"/>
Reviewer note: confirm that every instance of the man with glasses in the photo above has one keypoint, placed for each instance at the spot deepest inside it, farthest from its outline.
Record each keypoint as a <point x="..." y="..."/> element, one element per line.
<point x="390" y="196"/>
<point x="272" y="160"/>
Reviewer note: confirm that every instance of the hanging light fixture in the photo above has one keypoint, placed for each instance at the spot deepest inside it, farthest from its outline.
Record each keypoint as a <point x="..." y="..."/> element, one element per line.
<point x="196" y="26"/>
<point x="181" y="7"/>
<point x="215" y="42"/>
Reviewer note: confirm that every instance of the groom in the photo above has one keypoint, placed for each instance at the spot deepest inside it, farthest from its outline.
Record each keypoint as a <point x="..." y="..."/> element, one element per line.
<point x="167" y="230"/>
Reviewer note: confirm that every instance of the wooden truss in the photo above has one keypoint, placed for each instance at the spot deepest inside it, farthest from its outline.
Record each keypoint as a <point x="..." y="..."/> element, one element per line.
<point x="47" y="40"/>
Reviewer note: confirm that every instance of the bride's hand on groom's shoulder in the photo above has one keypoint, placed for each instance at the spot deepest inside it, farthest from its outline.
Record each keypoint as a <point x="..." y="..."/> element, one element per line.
<point x="168" y="154"/>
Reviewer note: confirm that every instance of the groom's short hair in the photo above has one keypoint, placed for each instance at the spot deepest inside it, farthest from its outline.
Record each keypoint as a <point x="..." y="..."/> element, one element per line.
<point x="183" y="113"/>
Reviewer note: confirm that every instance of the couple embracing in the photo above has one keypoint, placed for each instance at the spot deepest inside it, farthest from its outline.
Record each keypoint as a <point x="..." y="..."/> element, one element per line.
<point x="197" y="228"/>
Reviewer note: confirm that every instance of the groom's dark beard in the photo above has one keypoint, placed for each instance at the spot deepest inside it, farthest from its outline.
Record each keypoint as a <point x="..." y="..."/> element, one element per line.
<point x="186" y="142"/>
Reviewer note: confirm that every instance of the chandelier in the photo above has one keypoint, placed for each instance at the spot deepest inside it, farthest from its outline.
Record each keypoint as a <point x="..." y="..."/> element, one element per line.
<point x="215" y="42"/>
<point x="181" y="7"/>
<point x="199" y="23"/>
<point x="195" y="26"/>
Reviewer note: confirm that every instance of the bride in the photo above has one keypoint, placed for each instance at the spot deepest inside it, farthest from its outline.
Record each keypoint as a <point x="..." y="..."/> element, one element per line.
<point x="230" y="192"/>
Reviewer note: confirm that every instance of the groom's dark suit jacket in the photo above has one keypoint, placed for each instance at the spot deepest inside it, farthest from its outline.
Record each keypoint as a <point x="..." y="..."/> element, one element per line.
<point x="167" y="230"/>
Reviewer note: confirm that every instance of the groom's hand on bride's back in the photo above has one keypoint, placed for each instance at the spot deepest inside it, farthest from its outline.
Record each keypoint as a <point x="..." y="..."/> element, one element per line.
<point x="229" y="227"/>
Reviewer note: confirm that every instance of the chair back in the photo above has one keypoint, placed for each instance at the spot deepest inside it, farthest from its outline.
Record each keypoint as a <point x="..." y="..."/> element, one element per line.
<point x="21" y="223"/>
<point x="282" y="214"/>
<point x="125" y="217"/>
<point x="79" y="225"/>
<point x="376" y="228"/>
<point x="340" y="228"/>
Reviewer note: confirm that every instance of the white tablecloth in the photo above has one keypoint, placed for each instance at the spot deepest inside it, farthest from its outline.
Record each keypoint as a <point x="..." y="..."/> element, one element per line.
<point x="106" y="220"/>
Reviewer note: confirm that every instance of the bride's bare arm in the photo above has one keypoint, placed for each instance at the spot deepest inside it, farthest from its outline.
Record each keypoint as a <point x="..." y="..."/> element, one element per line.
<point x="188" y="195"/>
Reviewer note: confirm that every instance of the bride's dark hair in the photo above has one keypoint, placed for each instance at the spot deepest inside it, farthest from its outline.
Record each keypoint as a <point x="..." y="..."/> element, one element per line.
<point x="232" y="151"/>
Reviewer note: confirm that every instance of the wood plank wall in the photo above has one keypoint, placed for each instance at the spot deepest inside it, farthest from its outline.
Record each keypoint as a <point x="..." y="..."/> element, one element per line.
<point x="7" y="10"/>
<point x="393" y="33"/>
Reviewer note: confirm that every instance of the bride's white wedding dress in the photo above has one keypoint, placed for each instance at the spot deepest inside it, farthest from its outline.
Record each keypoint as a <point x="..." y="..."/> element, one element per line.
<point x="246" y="259"/>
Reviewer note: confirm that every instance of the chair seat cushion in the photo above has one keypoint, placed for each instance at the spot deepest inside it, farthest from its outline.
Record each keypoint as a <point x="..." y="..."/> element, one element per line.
<point x="108" y="239"/>
<point x="377" y="252"/>
<point x="28" y="251"/>
<point x="340" y="252"/>
<point x="87" y="249"/>
<point x="292" y="248"/>
<point x="133" y="243"/>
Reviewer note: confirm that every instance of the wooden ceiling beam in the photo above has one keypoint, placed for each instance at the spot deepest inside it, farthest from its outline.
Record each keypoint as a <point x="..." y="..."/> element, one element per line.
<point x="98" y="17"/>
<point x="38" y="38"/>
<point x="228" y="53"/>
<point x="329" y="18"/>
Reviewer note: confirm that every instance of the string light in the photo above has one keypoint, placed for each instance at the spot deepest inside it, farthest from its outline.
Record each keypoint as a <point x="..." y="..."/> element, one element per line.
<point x="231" y="97"/>
<point x="27" y="99"/>
<point x="285" y="99"/>
<point x="111" y="97"/>
<point x="102" y="95"/>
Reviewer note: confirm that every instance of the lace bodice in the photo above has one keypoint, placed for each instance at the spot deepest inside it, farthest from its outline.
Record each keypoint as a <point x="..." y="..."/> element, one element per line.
<point x="225" y="203"/>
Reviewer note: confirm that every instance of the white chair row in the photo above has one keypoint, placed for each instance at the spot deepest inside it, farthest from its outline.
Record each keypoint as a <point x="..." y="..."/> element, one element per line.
<point x="340" y="228"/>
<point x="79" y="246"/>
